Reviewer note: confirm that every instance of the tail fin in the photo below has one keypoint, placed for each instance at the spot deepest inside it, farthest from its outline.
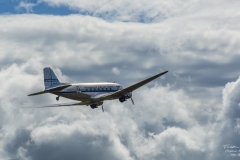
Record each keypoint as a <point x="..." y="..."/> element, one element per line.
<point x="50" y="79"/>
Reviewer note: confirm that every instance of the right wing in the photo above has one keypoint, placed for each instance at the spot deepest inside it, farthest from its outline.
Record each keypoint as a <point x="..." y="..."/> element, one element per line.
<point x="129" y="89"/>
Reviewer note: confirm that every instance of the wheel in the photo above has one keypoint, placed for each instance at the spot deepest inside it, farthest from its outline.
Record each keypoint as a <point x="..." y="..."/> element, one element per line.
<point x="93" y="106"/>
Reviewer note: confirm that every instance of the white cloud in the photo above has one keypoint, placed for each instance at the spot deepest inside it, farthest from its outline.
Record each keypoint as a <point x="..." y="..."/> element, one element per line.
<point x="116" y="71"/>
<point x="170" y="117"/>
<point x="26" y="6"/>
<point x="123" y="138"/>
<point x="156" y="11"/>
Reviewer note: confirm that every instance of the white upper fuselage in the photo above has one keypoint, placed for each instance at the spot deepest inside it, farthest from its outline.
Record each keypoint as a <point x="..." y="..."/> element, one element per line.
<point x="84" y="91"/>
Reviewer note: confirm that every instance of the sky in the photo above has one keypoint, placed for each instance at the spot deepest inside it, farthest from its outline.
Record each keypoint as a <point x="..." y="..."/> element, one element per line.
<point x="192" y="112"/>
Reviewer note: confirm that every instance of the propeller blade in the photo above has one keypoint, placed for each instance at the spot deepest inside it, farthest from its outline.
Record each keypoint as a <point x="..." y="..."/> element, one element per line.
<point x="102" y="108"/>
<point x="132" y="101"/>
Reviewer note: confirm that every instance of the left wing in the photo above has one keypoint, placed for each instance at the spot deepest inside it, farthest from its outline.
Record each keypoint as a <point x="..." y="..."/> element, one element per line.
<point x="63" y="104"/>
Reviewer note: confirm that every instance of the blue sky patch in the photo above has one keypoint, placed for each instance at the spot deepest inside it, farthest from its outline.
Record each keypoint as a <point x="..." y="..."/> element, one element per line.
<point x="22" y="7"/>
<point x="36" y="7"/>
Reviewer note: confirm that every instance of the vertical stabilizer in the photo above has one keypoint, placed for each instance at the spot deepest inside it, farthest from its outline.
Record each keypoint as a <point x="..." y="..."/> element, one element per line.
<point x="50" y="79"/>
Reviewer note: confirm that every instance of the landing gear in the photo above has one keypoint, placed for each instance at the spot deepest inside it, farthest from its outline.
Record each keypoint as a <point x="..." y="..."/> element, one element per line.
<point x="132" y="101"/>
<point x="57" y="98"/>
<point x="93" y="106"/>
<point x="102" y="108"/>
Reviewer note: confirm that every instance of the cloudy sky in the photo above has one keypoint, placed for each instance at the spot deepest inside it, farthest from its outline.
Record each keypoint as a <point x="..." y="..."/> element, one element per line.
<point x="192" y="112"/>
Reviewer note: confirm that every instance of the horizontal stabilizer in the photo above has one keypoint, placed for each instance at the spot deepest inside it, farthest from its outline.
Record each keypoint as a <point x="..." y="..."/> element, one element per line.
<point x="37" y="93"/>
<point x="54" y="89"/>
<point x="58" y="88"/>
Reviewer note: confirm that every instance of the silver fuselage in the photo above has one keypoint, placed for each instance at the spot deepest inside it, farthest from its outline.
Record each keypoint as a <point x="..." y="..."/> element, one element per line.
<point x="85" y="91"/>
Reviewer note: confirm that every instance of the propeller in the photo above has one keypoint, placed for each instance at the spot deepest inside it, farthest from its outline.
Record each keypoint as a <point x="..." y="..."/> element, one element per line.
<point x="102" y="108"/>
<point x="132" y="101"/>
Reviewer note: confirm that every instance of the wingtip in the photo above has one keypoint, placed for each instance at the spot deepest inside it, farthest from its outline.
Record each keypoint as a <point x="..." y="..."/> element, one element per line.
<point x="164" y="72"/>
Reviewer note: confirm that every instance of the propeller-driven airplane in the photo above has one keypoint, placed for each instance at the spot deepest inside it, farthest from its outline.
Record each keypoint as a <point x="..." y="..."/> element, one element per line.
<point x="90" y="94"/>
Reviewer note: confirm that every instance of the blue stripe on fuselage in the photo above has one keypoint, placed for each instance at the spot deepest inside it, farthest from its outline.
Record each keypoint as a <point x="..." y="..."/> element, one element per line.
<point x="85" y="91"/>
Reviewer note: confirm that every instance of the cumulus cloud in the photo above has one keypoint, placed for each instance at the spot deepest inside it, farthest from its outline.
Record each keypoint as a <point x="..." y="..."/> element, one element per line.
<point x="171" y="118"/>
<point x="83" y="132"/>
<point x="153" y="128"/>
<point x="226" y="125"/>
<point x="143" y="11"/>
<point x="152" y="46"/>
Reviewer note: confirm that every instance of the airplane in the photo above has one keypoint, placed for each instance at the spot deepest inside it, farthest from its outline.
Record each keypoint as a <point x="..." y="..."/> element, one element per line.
<point x="90" y="94"/>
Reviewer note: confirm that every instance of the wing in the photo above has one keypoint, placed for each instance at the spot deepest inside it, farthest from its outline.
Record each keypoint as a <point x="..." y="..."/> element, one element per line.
<point x="63" y="105"/>
<point x="88" y="102"/>
<point x="129" y="89"/>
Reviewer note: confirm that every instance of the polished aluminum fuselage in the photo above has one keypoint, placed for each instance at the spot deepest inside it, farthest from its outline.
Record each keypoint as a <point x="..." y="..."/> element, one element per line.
<point x="85" y="91"/>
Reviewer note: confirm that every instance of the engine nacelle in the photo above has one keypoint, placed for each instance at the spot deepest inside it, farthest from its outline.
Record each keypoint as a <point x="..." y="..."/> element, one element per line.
<point x="127" y="96"/>
<point x="122" y="99"/>
<point x="96" y="105"/>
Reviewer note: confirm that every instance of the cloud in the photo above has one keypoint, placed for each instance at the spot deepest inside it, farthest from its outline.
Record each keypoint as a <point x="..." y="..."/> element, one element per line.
<point x="171" y="118"/>
<point x="26" y="6"/>
<point x="155" y="47"/>
<point x="83" y="132"/>
<point x="226" y="126"/>
<point x="143" y="11"/>
<point x="115" y="71"/>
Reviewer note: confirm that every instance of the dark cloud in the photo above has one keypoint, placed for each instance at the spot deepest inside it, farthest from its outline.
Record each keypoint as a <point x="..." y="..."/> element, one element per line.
<point x="21" y="138"/>
<point x="74" y="146"/>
